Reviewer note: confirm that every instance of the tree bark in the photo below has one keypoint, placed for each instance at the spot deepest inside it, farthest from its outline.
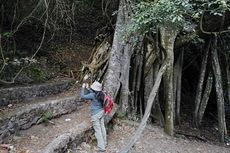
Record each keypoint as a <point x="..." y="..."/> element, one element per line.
<point x="125" y="66"/>
<point x="152" y="66"/>
<point x="200" y="84"/>
<point x="156" y="110"/>
<point x="175" y="85"/>
<point x="134" y="80"/>
<point x="118" y="72"/>
<point x="178" y="92"/>
<point x="168" y="36"/>
<point x="150" y="101"/>
<point x="205" y="97"/>
<point x="149" y="81"/>
<point x="228" y="77"/>
<point x="125" y="79"/>
<point x="139" y="81"/>
<point x="219" y="92"/>
<point x="112" y="80"/>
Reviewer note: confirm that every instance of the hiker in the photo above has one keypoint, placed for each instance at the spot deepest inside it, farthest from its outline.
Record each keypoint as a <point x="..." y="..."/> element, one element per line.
<point x="97" y="112"/>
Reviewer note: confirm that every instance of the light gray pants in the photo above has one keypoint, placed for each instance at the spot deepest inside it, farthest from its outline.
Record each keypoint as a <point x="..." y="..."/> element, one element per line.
<point x="100" y="131"/>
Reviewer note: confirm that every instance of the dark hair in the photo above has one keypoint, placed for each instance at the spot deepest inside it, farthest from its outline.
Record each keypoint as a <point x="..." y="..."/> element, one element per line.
<point x="100" y="96"/>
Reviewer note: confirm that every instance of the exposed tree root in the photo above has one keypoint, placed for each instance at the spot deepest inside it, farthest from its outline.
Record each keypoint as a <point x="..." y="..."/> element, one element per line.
<point x="99" y="57"/>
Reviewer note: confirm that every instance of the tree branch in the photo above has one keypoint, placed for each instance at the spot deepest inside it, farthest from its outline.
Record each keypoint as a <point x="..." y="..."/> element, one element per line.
<point x="209" y="32"/>
<point x="32" y="57"/>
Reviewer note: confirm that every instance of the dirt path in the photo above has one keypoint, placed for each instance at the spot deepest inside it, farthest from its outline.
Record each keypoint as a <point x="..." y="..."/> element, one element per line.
<point x="152" y="141"/>
<point x="37" y="137"/>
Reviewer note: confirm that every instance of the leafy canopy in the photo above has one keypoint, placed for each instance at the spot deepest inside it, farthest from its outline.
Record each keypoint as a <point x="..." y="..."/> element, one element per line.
<point x="149" y="14"/>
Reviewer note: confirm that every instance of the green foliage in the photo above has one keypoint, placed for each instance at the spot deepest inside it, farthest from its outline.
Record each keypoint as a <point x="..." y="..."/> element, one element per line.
<point x="197" y="40"/>
<point x="181" y="136"/>
<point x="17" y="132"/>
<point x="7" y="34"/>
<point x="227" y="139"/>
<point x="46" y="116"/>
<point x="120" y="115"/>
<point x="109" y="126"/>
<point x="214" y="7"/>
<point x="162" y="12"/>
<point x="152" y="13"/>
<point x="37" y="73"/>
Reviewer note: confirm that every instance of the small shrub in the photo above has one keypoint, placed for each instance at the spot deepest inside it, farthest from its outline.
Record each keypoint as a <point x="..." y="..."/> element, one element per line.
<point x="37" y="74"/>
<point x="120" y="115"/>
<point x="46" y="116"/>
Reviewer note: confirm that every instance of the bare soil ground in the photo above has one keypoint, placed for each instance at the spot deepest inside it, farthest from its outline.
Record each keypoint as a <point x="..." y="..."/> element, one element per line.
<point x="153" y="140"/>
<point x="37" y="137"/>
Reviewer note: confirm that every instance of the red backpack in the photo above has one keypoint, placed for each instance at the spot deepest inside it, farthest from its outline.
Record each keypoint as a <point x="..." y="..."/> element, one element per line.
<point x="106" y="100"/>
<point x="108" y="104"/>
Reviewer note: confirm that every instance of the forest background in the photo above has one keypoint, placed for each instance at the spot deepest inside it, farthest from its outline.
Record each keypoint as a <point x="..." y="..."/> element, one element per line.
<point x="164" y="61"/>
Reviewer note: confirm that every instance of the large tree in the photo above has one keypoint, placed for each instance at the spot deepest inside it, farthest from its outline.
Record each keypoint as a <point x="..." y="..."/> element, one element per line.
<point x="151" y="33"/>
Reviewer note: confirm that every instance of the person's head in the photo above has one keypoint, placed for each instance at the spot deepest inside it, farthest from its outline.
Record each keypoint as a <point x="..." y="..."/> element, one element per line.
<point x="96" y="86"/>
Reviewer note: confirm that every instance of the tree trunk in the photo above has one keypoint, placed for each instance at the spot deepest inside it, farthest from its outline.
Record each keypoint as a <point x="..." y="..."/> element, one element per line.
<point x="139" y="81"/>
<point x="134" y="80"/>
<point x="152" y="66"/>
<point x="150" y="101"/>
<point x="125" y="66"/>
<point x="228" y="78"/>
<point x="178" y="92"/>
<point x="175" y="85"/>
<point x="158" y="113"/>
<point x="219" y="92"/>
<point x="118" y="73"/>
<point x="149" y="81"/>
<point x="125" y="79"/>
<point x="168" y="37"/>
<point x="177" y="73"/>
<point x="200" y="84"/>
<point x="205" y="97"/>
<point x="112" y="80"/>
<point x="156" y="110"/>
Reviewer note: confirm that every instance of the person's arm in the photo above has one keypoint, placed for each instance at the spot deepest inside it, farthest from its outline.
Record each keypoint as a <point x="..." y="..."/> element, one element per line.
<point x="88" y="95"/>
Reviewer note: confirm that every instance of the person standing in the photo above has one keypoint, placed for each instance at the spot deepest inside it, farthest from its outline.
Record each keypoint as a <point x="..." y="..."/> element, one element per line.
<point x="95" y="95"/>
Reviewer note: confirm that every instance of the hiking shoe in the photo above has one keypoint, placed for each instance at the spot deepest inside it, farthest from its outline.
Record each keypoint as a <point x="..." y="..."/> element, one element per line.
<point x="99" y="150"/>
